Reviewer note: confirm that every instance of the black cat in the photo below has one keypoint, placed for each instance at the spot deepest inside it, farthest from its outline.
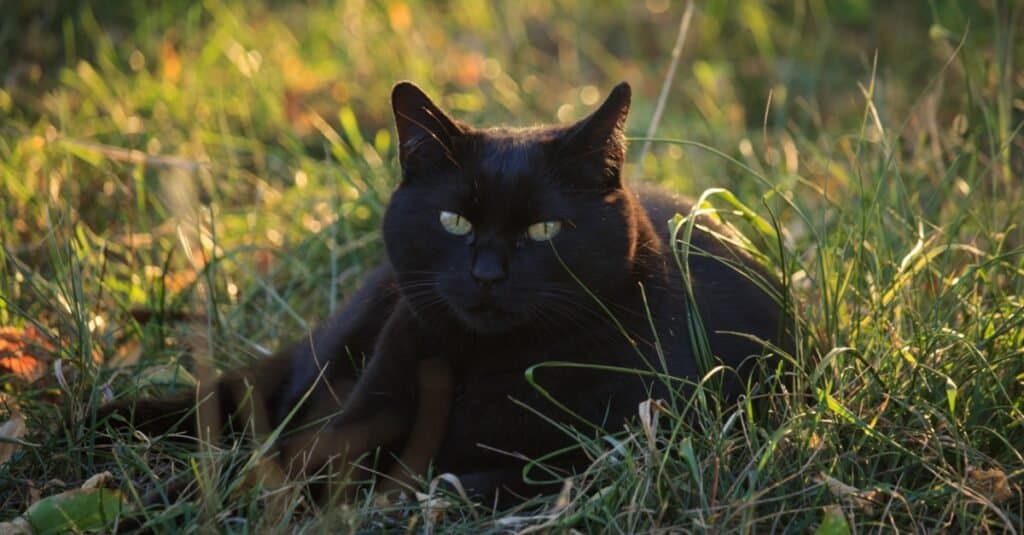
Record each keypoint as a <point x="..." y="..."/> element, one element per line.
<point x="506" y="248"/>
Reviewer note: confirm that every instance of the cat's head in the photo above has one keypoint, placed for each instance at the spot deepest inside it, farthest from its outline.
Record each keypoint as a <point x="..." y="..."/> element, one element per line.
<point x="501" y="227"/>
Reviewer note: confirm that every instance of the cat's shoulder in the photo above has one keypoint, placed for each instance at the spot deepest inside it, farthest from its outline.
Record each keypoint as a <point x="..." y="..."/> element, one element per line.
<point x="660" y="203"/>
<point x="711" y="236"/>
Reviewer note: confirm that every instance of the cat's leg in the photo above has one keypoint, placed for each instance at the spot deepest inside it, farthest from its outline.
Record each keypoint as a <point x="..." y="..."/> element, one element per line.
<point x="434" y="404"/>
<point x="400" y="404"/>
<point x="324" y="366"/>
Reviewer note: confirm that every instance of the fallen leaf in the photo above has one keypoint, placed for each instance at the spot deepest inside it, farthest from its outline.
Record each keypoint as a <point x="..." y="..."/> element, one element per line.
<point x="22" y="351"/>
<point x="74" y="510"/>
<point x="432" y="508"/>
<point x="992" y="483"/>
<point x="97" y="481"/>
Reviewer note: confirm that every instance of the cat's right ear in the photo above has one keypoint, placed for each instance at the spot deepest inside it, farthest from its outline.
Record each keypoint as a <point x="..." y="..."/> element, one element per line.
<point x="425" y="133"/>
<point x="599" y="141"/>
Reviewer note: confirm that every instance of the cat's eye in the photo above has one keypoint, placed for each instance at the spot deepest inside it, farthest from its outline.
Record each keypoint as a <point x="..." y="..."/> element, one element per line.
<point x="543" y="231"/>
<point x="455" y="223"/>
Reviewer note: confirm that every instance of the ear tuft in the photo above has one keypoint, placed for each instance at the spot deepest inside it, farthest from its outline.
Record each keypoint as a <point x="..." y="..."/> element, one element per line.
<point x="425" y="133"/>
<point x="600" y="137"/>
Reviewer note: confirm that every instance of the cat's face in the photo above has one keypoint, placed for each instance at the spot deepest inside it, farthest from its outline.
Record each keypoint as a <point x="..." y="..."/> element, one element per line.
<point x="500" y="227"/>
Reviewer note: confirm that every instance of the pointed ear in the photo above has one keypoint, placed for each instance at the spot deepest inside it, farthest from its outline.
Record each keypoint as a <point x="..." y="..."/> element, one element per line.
<point x="600" y="137"/>
<point x="425" y="133"/>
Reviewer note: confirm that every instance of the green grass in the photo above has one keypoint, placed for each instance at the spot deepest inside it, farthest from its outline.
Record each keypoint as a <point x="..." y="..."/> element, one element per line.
<point x="230" y="161"/>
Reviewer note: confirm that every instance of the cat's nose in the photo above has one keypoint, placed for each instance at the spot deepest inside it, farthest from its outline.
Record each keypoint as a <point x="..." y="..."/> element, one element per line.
<point x="488" y="268"/>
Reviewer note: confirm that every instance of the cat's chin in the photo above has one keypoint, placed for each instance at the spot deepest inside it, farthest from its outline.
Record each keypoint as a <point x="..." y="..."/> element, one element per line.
<point x="488" y="320"/>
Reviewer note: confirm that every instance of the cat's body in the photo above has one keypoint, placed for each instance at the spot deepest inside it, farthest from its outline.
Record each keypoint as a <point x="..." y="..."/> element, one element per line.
<point x="508" y="249"/>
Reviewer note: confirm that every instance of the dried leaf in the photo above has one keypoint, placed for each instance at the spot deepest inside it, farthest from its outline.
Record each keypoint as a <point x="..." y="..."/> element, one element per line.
<point x="992" y="483"/>
<point x="22" y="352"/>
<point x="433" y="508"/>
<point x="97" y="481"/>
<point x="649" y="422"/>
<point x="564" y="496"/>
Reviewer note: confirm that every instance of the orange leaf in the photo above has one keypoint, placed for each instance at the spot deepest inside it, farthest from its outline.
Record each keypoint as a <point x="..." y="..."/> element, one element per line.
<point x="21" y="352"/>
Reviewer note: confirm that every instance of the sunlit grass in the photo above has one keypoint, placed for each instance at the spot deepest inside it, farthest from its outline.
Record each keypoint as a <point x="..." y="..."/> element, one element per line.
<point x="227" y="163"/>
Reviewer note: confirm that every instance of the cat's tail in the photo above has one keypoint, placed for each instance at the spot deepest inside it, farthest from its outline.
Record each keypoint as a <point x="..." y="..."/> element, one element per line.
<point x="152" y="416"/>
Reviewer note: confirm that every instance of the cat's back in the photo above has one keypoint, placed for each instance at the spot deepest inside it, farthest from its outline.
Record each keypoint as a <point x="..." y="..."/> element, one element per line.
<point x="734" y="293"/>
<point x="660" y="204"/>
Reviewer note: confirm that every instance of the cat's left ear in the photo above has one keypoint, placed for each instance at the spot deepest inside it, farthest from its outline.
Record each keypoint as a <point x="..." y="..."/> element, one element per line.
<point x="425" y="133"/>
<point x="600" y="137"/>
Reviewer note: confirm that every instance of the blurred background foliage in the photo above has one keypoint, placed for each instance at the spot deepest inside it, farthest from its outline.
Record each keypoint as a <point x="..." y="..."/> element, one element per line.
<point x="262" y="122"/>
<point x="219" y="80"/>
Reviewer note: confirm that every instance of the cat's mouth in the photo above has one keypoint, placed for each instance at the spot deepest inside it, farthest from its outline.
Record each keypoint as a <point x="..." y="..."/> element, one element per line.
<point x="486" y="317"/>
<point x="486" y="312"/>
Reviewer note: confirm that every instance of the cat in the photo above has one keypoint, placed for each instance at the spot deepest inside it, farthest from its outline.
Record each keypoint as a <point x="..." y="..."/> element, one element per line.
<point x="506" y="248"/>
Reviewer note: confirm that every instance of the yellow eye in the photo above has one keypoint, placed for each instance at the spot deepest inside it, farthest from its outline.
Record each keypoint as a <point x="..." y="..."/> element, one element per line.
<point x="544" y="230"/>
<point x="455" y="224"/>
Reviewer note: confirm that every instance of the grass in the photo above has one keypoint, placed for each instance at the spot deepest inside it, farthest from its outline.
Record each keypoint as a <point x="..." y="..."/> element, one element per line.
<point x="228" y="161"/>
